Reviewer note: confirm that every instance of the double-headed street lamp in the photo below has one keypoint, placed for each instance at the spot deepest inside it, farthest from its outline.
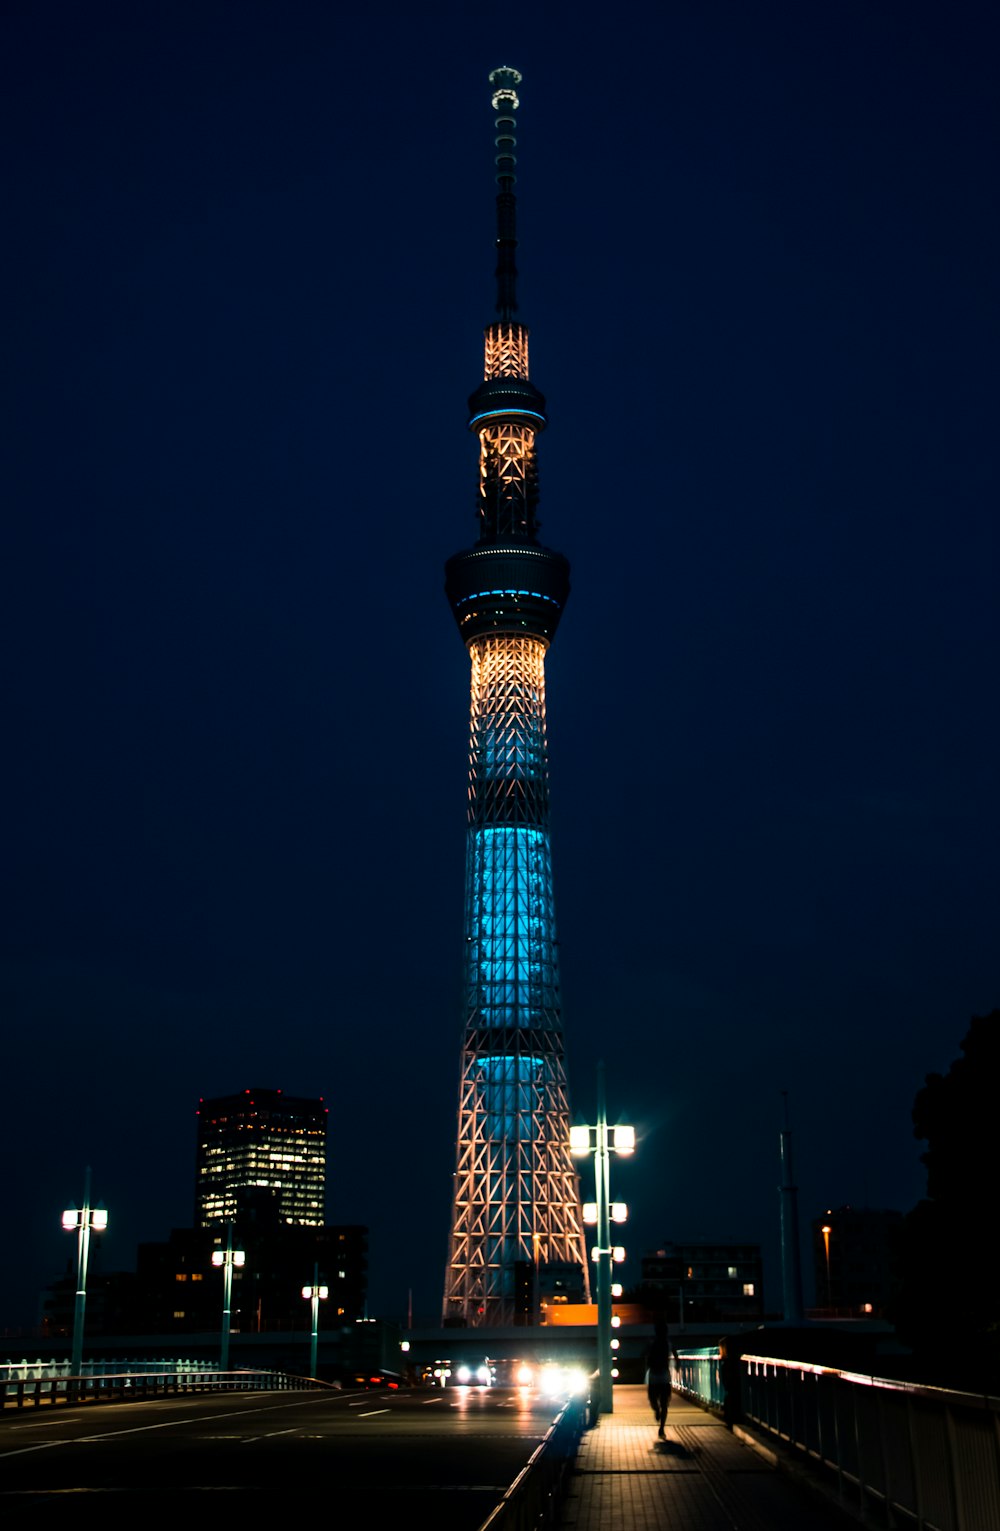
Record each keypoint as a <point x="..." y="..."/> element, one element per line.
<point x="227" y="1258"/>
<point x="316" y="1295"/>
<point x="83" y="1221"/>
<point x="597" y="1141"/>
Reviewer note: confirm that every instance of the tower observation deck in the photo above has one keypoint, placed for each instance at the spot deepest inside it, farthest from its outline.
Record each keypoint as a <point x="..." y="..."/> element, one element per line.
<point x="516" y="1221"/>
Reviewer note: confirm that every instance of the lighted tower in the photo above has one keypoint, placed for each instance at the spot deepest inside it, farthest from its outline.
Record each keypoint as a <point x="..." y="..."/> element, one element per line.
<point x="517" y="1211"/>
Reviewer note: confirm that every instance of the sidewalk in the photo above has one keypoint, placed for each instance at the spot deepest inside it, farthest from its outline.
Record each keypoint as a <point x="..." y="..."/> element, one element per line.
<point x="701" y="1478"/>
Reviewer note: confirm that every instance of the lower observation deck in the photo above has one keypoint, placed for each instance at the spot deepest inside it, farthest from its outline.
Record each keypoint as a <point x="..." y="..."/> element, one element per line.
<point x="507" y="587"/>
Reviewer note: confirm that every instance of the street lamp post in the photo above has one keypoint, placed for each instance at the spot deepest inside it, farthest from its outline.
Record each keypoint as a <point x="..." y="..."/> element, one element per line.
<point x="826" y="1231"/>
<point x="227" y="1258"/>
<point x="595" y="1140"/>
<point x="315" y="1294"/>
<point x="84" y="1220"/>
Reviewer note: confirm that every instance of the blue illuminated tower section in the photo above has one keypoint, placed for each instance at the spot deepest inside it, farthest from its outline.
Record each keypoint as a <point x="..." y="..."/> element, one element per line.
<point x="517" y="1209"/>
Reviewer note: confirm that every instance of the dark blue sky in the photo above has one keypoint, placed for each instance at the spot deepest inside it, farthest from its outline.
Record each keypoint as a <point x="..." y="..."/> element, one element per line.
<point x="247" y="264"/>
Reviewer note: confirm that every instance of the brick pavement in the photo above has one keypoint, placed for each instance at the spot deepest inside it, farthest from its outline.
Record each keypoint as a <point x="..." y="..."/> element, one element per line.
<point x="701" y="1478"/>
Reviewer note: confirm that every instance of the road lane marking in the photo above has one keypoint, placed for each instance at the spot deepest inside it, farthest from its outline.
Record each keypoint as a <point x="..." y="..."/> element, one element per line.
<point x="180" y="1490"/>
<point x="54" y="1493"/>
<point x="53" y="1413"/>
<point x="167" y="1424"/>
<point x="45" y="1424"/>
<point x="371" y="1412"/>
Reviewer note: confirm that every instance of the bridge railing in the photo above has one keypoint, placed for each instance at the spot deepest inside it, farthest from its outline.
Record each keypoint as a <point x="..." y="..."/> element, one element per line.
<point x="106" y="1386"/>
<point x="535" y="1496"/>
<point x="25" y="1369"/>
<point x="915" y="1455"/>
<point x="699" y="1374"/>
<point x="896" y="1452"/>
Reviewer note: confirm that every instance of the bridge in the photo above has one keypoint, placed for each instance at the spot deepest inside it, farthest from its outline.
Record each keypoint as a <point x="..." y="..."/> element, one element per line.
<point x="868" y="1448"/>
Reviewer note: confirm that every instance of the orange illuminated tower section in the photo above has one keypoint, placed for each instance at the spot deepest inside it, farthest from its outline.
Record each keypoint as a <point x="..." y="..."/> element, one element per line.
<point x="517" y="1230"/>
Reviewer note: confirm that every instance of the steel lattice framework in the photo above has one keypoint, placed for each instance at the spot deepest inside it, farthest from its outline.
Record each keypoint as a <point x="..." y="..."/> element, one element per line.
<point x="517" y="1201"/>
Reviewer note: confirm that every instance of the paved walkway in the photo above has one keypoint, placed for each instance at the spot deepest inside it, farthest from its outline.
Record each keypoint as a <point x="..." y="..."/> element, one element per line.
<point x="701" y="1478"/>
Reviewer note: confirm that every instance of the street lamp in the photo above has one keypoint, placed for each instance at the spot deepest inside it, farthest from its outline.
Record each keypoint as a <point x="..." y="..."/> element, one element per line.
<point x="84" y="1220"/>
<point x="227" y="1258"/>
<point x="316" y="1294"/>
<point x="826" y="1231"/>
<point x="595" y="1140"/>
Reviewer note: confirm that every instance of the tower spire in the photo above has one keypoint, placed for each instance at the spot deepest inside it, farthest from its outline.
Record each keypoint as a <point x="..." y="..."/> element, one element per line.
<point x="505" y="104"/>
<point x="517" y="1226"/>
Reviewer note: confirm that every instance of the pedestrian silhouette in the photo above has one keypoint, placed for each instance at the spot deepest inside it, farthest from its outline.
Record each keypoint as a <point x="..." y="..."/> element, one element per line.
<point x="658" y="1373"/>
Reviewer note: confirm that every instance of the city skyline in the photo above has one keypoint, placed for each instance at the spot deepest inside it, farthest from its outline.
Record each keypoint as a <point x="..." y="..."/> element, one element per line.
<point x="245" y="280"/>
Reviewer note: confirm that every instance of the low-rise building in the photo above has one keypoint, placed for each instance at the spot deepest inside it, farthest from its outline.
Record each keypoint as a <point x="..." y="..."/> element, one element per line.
<point x="704" y="1281"/>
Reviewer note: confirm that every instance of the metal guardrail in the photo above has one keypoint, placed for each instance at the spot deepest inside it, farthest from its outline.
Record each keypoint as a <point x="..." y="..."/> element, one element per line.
<point x="535" y="1497"/>
<point x="912" y="1456"/>
<point x="698" y="1373"/>
<point x="27" y="1370"/>
<point x="125" y="1386"/>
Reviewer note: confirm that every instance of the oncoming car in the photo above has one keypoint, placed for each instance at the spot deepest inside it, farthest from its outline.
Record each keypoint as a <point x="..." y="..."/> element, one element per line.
<point x="546" y="1379"/>
<point x="539" y="1379"/>
<point x="554" y="1381"/>
<point x="481" y="1375"/>
<point x="458" y="1374"/>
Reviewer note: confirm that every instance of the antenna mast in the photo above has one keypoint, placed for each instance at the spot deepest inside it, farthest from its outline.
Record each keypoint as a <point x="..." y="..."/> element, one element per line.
<point x="505" y="104"/>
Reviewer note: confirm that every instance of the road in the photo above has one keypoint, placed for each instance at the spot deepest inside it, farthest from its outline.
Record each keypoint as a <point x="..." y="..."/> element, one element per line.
<point x="386" y="1458"/>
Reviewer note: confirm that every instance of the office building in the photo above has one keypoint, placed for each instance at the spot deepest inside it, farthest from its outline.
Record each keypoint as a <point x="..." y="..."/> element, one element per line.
<point x="263" y="1149"/>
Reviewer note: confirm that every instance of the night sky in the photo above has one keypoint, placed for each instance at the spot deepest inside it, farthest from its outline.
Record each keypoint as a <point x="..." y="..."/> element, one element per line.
<point x="247" y="263"/>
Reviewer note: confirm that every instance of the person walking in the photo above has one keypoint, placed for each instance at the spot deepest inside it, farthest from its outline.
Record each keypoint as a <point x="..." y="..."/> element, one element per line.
<point x="658" y="1357"/>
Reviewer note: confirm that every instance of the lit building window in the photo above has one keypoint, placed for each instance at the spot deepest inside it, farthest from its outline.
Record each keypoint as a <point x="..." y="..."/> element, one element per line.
<point x="748" y="1289"/>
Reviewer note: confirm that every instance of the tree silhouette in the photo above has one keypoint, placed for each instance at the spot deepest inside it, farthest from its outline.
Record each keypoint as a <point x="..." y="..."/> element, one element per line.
<point x="948" y="1302"/>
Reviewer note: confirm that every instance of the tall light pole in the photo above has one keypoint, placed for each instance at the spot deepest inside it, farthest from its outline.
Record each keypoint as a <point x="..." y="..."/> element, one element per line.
<point x="82" y="1220"/>
<point x="595" y="1140"/>
<point x="826" y="1231"/>
<point x="315" y="1294"/>
<point x="791" y="1266"/>
<point x="227" y="1258"/>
